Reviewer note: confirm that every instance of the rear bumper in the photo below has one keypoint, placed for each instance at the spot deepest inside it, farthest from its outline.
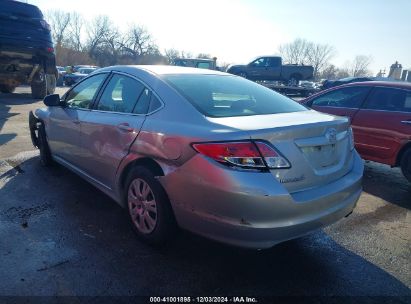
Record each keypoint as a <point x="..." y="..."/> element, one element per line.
<point x="256" y="211"/>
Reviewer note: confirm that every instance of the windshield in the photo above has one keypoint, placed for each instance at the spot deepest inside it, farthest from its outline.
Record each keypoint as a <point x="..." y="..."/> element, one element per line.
<point x="226" y="96"/>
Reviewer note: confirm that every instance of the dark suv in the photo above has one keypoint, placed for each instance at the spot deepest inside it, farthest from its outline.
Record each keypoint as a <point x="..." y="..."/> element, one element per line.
<point x="26" y="49"/>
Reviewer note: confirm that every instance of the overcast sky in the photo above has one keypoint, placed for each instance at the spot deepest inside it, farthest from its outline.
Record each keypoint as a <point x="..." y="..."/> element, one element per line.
<point x="237" y="30"/>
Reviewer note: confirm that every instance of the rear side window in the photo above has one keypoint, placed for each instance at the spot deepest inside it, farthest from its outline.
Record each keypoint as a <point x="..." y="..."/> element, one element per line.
<point x="84" y="93"/>
<point x="351" y="97"/>
<point x="389" y="99"/>
<point x="120" y="95"/>
<point x="227" y="96"/>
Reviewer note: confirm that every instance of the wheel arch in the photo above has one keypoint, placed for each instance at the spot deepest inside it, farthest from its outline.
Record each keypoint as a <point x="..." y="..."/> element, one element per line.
<point x="406" y="147"/>
<point x="146" y="162"/>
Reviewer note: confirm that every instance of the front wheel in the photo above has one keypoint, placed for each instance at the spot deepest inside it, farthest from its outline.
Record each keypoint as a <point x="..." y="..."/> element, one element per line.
<point x="243" y="74"/>
<point x="45" y="154"/>
<point x="148" y="207"/>
<point x="406" y="164"/>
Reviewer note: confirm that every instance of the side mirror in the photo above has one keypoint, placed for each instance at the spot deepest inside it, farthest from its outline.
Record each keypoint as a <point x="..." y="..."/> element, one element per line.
<point x="52" y="100"/>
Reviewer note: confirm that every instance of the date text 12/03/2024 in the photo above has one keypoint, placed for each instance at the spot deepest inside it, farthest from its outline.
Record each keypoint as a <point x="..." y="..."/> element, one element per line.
<point x="203" y="300"/>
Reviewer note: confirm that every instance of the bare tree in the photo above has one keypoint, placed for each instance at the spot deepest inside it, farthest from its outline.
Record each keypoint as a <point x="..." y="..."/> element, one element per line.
<point x="138" y="42"/>
<point x="295" y="52"/>
<point x="97" y="31"/>
<point x="204" y="56"/>
<point x="59" y="22"/>
<point x="171" y="54"/>
<point x="319" y="56"/>
<point x="359" y="66"/>
<point x="75" y="30"/>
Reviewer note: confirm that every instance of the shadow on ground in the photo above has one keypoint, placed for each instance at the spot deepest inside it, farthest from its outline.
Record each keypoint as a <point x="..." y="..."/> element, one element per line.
<point x="61" y="236"/>
<point x="379" y="180"/>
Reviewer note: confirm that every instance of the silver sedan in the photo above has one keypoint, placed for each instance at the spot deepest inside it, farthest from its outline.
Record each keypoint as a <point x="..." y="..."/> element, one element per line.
<point x="206" y="151"/>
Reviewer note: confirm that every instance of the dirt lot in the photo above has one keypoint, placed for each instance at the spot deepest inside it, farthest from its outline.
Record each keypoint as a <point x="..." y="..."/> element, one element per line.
<point x="61" y="236"/>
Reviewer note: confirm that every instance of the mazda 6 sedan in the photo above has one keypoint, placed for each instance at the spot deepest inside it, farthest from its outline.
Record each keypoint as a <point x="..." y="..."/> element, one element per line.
<point x="209" y="152"/>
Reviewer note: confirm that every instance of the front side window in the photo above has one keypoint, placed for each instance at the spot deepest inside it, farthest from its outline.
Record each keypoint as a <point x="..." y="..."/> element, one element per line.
<point x="351" y="97"/>
<point x="226" y="96"/>
<point x="260" y="62"/>
<point x="120" y="95"/>
<point x="389" y="99"/>
<point x="82" y="95"/>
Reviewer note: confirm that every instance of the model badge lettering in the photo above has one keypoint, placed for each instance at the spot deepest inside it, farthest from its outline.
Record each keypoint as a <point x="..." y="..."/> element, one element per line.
<point x="291" y="179"/>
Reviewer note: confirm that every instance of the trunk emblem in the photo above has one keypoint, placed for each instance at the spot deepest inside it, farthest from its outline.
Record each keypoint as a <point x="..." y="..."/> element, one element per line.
<point x="331" y="135"/>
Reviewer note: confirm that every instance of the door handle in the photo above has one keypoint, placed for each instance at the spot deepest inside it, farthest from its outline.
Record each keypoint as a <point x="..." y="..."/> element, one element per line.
<point x="125" y="127"/>
<point x="407" y="122"/>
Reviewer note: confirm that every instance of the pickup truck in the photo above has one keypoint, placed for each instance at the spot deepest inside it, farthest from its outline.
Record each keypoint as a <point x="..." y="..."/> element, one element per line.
<point x="271" y="68"/>
<point x="26" y="49"/>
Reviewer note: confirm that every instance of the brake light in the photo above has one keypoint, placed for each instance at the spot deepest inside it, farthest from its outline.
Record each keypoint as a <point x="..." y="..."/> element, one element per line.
<point x="245" y="154"/>
<point x="272" y="158"/>
<point x="45" y="25"/>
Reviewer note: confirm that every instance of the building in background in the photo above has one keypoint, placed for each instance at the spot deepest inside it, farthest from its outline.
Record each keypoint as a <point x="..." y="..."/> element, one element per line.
<point x="395" y="71"/>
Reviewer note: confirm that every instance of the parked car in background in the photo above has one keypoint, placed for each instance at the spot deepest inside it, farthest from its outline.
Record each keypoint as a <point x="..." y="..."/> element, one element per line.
<point x="380" y="114"/>
<point x="334" y="83"/>
<point x="26" y="49"/>
<point x="61" y="72"/>
<point x="201" y="63"/>
<point x="213" y="153"/>
<point x="70" y="79"/>
<point x="272" y="68"/>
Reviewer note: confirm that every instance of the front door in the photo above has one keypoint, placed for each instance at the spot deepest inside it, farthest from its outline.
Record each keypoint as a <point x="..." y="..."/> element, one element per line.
<point x="112" y="126"/>
<point x="64" y="132"/>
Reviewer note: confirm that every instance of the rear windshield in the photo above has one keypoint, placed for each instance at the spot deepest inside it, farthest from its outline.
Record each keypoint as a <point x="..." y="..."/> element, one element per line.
<point x="227" y="96"/>
<point x="19" y="9"/>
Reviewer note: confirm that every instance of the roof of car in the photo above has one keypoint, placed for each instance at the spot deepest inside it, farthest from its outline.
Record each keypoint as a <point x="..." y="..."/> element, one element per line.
<point x="394" y="84"/>
<point x="162" y="69"/>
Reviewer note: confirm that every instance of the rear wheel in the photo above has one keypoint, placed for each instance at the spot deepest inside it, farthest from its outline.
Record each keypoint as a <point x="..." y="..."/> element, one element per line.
<point x="39" y="85"/>
<point x="148" y="207"/>
<point x="45" y="155"/>
<point x="7" y="89"/>
<point x="294" y="80"/>
<point x="406" y="164"/>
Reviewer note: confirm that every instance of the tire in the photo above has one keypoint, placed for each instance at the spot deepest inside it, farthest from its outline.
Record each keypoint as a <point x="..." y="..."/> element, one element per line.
<point x="243" y="74"/>
<point x="7" y="89"/>
<point x="148" y="206"/>
<point x="45" y="154"/>
<point x="294" y="80"/>
<point x="51" y="83"/>
<point x="406" y="164"/>
<point x="39" y="85"/>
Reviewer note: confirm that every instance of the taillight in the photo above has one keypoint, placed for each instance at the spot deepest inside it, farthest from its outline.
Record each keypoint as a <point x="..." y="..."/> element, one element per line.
<point x="45" y="25"/>
<point x="246" y="154"/>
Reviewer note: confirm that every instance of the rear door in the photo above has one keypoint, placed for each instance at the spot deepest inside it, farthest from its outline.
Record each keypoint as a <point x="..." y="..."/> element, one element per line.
<point x="63" y="131"/>
<point x="342" y="102"/>
<point x="383" y="125"/>
<point x="112" y="126"/>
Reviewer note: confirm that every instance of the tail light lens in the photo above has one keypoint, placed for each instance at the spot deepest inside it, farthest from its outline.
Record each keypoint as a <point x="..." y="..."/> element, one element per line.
<point x="45" y="25"/>
<point x="247" y="154"/>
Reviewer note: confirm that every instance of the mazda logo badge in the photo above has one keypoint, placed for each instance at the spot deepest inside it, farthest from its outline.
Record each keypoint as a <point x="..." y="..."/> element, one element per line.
<point x="331" y="135"/>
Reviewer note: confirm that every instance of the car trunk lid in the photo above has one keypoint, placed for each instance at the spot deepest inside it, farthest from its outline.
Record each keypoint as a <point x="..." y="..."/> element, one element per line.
<point x="316" y="145"/>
